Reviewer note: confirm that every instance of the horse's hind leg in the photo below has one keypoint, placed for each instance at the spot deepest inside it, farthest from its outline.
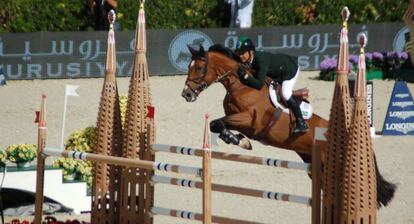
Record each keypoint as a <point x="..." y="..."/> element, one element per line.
<point x="219" y="126"/>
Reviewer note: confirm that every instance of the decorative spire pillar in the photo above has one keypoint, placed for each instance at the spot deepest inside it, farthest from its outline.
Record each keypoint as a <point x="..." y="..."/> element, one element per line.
<point x="339" y="122"/>
<point x="359" y="187"/>
<point x="137" y="138"/>
<point x="106" y="179"/>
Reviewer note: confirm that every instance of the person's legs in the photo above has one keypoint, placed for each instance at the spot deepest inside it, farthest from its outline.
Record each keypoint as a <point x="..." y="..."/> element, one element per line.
<point x="287" y="89"/>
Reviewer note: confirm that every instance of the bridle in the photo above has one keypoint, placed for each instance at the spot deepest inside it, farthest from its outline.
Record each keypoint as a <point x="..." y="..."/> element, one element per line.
<point x="200" y="82"/>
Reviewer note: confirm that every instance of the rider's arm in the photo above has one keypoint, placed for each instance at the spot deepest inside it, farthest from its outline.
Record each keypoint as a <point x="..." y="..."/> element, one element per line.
<point x="259" y="78"/>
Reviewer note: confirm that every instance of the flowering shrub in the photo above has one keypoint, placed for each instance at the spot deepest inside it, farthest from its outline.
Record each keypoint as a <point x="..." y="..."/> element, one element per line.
<point x="3" y="156"/>
<point x="328" y="69"/>
<point x="82" y="170"/>
<point x="376" y="61"/>
<point x="394" y="60"/>
<point x="20" y="153"/>
<point x="82" y="140"/>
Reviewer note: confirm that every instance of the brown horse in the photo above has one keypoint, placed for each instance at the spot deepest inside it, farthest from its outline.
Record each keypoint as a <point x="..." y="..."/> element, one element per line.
<point x="250" y="111"/>
<point x="247" y="110"/>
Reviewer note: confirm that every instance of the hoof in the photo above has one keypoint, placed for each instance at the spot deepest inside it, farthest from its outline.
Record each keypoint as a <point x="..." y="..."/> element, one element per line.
<point x="244" y="142"/>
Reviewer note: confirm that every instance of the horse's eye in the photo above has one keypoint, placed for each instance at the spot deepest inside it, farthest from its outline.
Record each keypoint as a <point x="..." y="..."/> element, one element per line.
<point x="199" y="68"/>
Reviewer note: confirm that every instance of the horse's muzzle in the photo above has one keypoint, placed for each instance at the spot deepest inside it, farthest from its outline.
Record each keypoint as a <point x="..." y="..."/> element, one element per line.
<point x="188" y="94"/>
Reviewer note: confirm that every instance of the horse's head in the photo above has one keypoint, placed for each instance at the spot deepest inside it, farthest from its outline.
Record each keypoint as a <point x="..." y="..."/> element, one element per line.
<point x="219" y="64"/>
<point x="198" y="77"/>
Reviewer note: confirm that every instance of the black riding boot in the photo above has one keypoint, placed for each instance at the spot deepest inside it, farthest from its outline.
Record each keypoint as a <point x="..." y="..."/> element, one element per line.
<point x="301" y="126"/>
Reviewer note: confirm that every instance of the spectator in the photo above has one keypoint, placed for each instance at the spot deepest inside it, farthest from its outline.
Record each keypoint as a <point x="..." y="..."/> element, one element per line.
<point x="101" y="8"/>
<point x="241" y="13"/>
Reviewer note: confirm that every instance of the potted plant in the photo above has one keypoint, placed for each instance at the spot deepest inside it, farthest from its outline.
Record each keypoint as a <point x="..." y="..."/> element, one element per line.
<point x="21" y="154"/>
<point x="68" y="166"/>
<point x="328" y="69"/>
<point x="74" y="169"/>
<point x="82" y="140"/>
<point x="393" y="62"/>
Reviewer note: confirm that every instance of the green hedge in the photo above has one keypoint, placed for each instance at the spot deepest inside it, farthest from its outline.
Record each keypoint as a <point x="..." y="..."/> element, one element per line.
<point x="275" y="13"/>
<point x="167" y="14"/>
<point x="73" y="15"/>
<point x="43" y="15"/>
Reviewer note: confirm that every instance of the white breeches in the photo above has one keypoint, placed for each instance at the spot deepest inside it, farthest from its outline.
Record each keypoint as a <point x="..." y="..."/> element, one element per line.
<point x="287" y="86"/>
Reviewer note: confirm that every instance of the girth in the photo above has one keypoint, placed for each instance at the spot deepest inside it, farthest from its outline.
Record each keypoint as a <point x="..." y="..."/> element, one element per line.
<point x="273" y="119"/>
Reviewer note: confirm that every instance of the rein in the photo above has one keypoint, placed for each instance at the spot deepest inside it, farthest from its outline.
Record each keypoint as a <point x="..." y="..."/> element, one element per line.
<point x="221" y="77"/>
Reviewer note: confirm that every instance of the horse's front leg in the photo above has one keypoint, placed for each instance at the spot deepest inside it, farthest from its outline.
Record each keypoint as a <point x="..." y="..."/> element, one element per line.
<point x="239" y="121"/>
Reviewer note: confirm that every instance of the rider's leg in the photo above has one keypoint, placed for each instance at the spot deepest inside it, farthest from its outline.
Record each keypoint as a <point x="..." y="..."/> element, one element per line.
<point x="287" y="89"/>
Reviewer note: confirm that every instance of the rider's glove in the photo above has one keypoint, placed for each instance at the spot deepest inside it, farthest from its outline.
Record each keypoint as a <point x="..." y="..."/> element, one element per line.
<point x="242" y="73"/>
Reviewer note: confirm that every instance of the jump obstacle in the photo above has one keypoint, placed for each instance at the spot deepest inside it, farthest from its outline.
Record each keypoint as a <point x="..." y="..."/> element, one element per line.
<point x="307" y="167"/>
<point x="138" y="144"/>
<point x="313" y="169"/>
<point x="138" y="138"/>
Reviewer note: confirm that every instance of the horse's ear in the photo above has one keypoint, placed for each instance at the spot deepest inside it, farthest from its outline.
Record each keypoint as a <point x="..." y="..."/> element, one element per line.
<point x="192" y="50"/>
<point x="202" y="52"/>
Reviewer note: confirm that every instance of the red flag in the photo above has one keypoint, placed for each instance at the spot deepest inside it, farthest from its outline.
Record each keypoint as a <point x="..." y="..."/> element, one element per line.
<point x="151" y="112"/>
<point x="37" y="117"/>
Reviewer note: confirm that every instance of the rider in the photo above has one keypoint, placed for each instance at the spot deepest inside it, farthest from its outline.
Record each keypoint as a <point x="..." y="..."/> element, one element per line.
<point x="281" y="68"/>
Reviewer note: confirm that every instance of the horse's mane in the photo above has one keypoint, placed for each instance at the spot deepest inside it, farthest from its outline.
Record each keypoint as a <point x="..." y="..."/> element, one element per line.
<point x="224" y="50"/>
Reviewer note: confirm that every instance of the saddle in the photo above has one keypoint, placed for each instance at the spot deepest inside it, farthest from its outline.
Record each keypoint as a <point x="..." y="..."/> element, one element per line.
<point x="301" y="95"/>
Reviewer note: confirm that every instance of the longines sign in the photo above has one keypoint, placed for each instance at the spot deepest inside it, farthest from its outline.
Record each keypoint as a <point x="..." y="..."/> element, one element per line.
<point x="46" y="55"/>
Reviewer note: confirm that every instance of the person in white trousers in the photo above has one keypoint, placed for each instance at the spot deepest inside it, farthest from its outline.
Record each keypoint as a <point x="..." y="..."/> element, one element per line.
<point x="241" y="13"/>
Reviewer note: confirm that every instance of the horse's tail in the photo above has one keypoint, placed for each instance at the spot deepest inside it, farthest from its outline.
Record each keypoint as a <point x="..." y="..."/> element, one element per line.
<point x="385" y="189"/>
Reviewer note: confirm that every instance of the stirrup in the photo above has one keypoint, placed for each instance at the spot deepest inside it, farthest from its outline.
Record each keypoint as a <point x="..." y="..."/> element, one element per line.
<point x="298" y="130"/>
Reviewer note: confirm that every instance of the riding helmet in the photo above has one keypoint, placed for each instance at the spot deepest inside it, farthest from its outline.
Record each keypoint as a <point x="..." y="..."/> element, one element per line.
<point x="244" y="44"/>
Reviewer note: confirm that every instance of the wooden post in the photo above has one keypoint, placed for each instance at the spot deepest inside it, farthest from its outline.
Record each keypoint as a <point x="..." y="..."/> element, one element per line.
<point x="206" y="173"/>
<point x="149" y="188"/>
<point x="319" y="141"/>
<point x="40" y="168"/>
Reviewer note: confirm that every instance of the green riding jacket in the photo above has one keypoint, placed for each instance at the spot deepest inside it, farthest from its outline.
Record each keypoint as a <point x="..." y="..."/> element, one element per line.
<point x="279" y="67"/>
